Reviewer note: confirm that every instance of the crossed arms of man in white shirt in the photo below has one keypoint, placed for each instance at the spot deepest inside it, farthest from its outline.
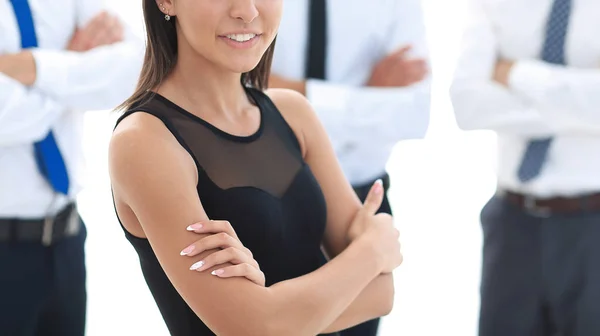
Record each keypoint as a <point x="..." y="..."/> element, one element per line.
<point x="395" y="70"/>
<point x="524" y="97"/>
<point x="96" y="70"/>
<point x="103" y="29"/>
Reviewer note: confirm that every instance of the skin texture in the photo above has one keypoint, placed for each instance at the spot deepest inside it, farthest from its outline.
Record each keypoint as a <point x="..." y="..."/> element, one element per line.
<point x="154" y="182"/>
<point x="502" y="71"/>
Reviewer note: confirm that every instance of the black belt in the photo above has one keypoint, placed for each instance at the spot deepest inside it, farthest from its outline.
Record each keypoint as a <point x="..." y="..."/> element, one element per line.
<point x="46" y="231"/>
<point x="553" y="205"/>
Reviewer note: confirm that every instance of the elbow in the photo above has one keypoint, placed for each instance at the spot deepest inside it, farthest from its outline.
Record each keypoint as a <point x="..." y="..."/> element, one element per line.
<point x="387" y="301"/>
<point x="387" y="306"/>
<point x="266" y="328"/>
<point x="276" y="328"/>
<point x="464" y="113"/>
<point x="464" y="122"/>
<point x="386" y="296"/>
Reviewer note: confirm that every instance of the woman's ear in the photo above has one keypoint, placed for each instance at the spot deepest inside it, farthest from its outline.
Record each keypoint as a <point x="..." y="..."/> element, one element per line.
<point x="166" y="6"/>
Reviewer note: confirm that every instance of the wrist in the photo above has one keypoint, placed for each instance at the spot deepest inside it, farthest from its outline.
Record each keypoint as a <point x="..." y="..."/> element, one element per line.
<point x="20" y="67"/>
<point x="369" y="248"/>
<point x="28" y="73"/>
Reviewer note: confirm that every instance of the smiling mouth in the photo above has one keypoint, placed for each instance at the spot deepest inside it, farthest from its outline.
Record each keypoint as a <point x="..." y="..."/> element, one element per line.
<point x="241" y="37"/>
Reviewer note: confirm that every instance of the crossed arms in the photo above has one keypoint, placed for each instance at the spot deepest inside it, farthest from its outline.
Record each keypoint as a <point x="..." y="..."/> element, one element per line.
<point x="97" y="70"/>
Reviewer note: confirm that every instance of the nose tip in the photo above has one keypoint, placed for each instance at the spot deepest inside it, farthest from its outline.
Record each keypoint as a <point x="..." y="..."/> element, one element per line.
<point x="245" y="11"/>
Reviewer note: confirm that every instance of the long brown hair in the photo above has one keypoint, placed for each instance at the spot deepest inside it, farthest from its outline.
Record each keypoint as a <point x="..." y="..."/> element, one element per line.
<point x="161" y="56"/>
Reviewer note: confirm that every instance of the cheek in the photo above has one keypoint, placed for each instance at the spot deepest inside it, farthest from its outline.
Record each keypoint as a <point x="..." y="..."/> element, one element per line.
<point x="197" y="31"/>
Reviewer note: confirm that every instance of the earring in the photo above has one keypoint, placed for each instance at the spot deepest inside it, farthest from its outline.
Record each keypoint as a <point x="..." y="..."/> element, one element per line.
<point x="167" y="16"/>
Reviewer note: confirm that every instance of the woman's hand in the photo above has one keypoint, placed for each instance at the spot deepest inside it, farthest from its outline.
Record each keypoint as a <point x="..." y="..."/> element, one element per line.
<point x="362" y="219"/>
<point x="223" y="237"/>
<point x="377" y="229"/>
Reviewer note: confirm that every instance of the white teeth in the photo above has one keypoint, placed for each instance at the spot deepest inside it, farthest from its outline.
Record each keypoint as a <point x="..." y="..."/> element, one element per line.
<point x="241" y="37"/>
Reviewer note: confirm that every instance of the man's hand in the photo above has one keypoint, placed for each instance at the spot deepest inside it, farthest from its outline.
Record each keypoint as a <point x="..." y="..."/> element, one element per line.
<point x="502" y="71"/>
<point x="276" y="81"/>
<point x="104" y="29"/>
<point x="398" y="70"/>
<point x="19" y="66"/>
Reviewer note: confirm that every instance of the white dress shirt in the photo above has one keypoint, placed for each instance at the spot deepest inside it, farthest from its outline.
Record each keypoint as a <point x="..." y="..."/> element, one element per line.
<point x="363" y="123"/>
<point x="542" y="99"/>
<point x="67" y="84"/>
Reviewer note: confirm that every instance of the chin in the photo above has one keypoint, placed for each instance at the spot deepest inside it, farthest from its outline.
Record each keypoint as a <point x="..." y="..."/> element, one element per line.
<point x="242" y="65"/>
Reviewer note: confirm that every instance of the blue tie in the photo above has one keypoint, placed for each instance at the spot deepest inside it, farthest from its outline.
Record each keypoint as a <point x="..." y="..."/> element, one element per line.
<point x="49" y="160"/>
<point x="553" y="52"/>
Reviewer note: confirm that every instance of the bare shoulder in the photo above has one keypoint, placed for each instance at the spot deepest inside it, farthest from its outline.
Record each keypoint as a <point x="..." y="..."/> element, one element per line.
<point x="289" y="99"/>
<point x="297" y="111"/>
<point x="142" y="147"/>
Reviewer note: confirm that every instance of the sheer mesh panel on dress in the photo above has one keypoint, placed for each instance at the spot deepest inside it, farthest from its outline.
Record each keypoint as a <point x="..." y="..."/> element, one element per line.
<point x="261" y="160"/>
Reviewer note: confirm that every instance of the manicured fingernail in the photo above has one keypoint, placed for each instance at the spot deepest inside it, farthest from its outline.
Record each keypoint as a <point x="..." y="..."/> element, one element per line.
<point x="187" y="250"/>
<point x="378" y="186"/>
<point x="194" y="227"/>
<point x="217" y="272"/>
<point x="197" y="265"/>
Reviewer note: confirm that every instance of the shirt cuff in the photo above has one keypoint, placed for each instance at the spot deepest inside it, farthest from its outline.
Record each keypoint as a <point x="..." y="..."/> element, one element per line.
<point x="530" y="78"/>
<point x="327" y="96"/>
<point x="51" y="70"/>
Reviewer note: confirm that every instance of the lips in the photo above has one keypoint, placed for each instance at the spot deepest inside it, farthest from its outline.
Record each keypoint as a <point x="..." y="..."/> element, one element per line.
<point x="241" y="37"/>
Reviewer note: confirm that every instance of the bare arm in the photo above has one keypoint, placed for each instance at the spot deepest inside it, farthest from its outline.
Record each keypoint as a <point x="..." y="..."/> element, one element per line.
<point x="156" y="179"/>
<point x="343" y="208"/>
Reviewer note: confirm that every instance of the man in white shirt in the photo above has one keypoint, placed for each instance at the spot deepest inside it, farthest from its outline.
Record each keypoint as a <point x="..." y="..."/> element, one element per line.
<point x="363" y="66"/>
<point x="529" y="70"/>
<point x="57" y="59"/>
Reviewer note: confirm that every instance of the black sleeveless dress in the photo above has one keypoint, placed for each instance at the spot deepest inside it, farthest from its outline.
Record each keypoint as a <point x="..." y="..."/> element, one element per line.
<point x="259" y="183"/>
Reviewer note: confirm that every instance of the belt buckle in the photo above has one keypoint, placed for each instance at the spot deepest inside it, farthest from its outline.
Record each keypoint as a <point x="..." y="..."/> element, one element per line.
<point x="531" y="206"/>
<point x="47" y="231"/>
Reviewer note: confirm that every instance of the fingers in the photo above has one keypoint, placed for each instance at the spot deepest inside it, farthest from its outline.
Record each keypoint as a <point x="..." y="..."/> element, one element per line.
<point x="241" y="270"/>
<point x="243" y="265"/>
<point x="219" y="240"/>
<point x="406" y="72"/>
<point x="417" y="69"/>
<point x="401" y="52"/>
<point x="94" y="28"/>
<point x="229" y="255"/>
<point x="213" y="226"/>
<point x="110" y="32"/>
<point x="103" y="29"/>
<point x="374" y="198"/>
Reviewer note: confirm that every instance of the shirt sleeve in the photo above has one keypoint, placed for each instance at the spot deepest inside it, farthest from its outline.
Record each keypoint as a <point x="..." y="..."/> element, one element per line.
<point x="567" y="96"/>
<point x="98" y="79"/>
<point x="26" y="115"/>
<point x="379" y="116"/>
<point x="481" y="103"/>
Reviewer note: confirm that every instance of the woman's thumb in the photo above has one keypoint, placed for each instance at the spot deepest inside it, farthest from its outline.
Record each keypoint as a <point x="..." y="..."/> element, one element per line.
<point x="374" y="198"/>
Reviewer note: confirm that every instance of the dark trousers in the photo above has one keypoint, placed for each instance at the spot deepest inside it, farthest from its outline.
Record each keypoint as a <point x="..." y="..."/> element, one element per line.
<point x="540" y="275"/>
<point x="369" y="328"/>
<point x="42" y="289"/>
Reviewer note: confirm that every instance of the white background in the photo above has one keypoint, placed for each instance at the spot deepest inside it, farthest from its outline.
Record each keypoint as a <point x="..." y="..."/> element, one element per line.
<point x="439" y="186"/>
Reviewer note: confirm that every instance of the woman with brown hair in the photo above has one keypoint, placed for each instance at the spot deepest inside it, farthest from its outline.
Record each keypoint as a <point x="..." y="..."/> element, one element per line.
<point x="202" y="142"/>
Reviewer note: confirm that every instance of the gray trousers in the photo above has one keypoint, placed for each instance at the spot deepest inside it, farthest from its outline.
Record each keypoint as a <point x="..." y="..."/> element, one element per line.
<point x="540" y="275"/>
